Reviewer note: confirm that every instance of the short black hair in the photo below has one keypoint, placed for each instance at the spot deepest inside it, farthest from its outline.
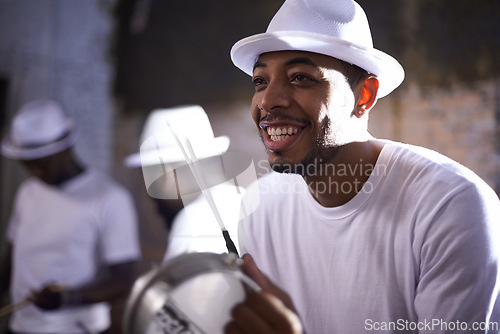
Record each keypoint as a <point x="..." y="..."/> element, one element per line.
<point x="353" y="73"/>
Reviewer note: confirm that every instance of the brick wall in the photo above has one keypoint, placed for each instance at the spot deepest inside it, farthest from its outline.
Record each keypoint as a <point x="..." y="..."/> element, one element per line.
<point x="457" y="121"/>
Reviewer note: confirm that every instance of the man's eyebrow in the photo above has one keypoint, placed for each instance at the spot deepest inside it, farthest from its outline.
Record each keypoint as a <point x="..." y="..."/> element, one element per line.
<point x="301" y="60"/>
<point x="258" y="64"/>
<point x="293" y="61"/>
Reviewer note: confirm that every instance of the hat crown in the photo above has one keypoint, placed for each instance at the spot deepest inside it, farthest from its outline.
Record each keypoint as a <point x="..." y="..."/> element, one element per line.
<point x="189" y="121"/>
<point x="39" y="129"/>
<point x="158" y="144"/>
<point x="343" y="19"/>
<point x="335" y="28"/>
<point x="39" y="122"/>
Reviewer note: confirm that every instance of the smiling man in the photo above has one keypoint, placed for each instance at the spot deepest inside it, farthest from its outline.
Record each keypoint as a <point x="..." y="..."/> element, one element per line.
<point x="355" y="234"/>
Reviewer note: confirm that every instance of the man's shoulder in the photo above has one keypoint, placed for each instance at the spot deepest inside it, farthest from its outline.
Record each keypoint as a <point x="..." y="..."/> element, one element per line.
<point x="31" y="185"/>
<point x="412" y="157"/>
<point x="433" y="169"/>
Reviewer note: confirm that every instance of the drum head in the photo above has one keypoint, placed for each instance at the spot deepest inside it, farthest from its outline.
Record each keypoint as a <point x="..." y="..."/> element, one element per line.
<point x="193" y="293"/>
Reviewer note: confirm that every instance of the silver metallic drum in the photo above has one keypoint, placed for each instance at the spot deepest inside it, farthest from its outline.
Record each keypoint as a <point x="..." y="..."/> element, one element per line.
<point x="192" y="293"/>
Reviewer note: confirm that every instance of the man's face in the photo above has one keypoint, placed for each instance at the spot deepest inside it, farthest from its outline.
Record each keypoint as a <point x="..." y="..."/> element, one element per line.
<point x="46" y="169"/>
<point x="303" y="108"/>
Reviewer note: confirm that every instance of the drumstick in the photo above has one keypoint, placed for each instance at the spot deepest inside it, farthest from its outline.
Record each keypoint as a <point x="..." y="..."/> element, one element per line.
<point x="195" y="170"/>
<point x="14" y="307"/>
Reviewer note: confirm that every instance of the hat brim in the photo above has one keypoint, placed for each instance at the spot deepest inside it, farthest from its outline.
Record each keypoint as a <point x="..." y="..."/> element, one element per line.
<point x="13" y="151"/>
<point x="390" y="73"/>
<point x="170" y="155"/>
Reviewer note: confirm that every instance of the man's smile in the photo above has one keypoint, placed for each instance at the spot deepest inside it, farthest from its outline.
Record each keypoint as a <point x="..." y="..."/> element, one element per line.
<point x="281" y="133"/>
<point x="279" y="137"/>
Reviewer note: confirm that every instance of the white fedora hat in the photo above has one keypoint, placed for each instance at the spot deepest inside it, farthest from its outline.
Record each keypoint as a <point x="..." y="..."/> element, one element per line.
<point x="39" y="129"/>
<point x="159" y="146"/>
<point x="336" y="28"/>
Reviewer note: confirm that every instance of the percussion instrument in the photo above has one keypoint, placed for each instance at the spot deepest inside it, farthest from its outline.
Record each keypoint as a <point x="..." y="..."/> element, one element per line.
<point x="192" y="293"/>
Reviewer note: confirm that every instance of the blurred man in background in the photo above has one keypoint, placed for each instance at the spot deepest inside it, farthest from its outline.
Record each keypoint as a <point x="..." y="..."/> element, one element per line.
<point x="169" y="179"/>
<point x="73" y="237"/>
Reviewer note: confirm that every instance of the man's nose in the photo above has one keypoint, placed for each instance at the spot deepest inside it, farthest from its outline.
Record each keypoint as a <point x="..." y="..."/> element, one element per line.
<point x="274" y="97"/>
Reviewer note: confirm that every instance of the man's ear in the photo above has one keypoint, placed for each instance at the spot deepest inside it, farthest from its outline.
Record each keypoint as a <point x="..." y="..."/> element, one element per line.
<point x="367" y="95"/>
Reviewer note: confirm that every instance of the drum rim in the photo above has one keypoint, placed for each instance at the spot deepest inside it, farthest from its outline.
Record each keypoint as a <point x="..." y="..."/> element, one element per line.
<point x="172" y="274"/>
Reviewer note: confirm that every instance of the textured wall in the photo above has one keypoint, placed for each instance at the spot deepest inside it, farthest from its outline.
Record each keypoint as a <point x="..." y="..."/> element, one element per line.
<point x="58" y="49"/>
<point x="457" y="121"/>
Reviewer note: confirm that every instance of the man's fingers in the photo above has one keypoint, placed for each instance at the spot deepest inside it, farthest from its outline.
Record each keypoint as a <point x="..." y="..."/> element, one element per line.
<point x="275" y="312"/>
<point x="263" y="313"/>
<point x="251" y="269"/>
<point x="247" y="319"/>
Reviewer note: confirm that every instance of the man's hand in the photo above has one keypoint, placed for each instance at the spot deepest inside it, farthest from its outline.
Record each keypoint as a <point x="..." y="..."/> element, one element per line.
<point x="49" y="298"/>
<point x="269" y="311"/>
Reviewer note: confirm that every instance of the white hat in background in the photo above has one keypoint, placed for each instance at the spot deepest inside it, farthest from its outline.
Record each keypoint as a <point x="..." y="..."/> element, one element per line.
<point x="159" y="146"/>
<point x="39" y="129"/>
<point x="336" y="28"/>
<point x="164" y="166"/>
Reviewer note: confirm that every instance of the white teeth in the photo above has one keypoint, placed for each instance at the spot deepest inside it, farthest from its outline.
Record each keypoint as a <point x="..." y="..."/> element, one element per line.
<point x="278" y="134"/>
<point x="279" y="138"/>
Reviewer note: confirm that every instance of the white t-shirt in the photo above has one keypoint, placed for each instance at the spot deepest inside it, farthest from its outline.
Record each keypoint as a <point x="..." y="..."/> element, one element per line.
<point x="195" y="228"/>
<point x="418" y="246"/>
<point x="65" y="235"/>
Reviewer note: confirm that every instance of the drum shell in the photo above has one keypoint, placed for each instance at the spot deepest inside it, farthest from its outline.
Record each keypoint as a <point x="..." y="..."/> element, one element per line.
<point x="153" y="289"/>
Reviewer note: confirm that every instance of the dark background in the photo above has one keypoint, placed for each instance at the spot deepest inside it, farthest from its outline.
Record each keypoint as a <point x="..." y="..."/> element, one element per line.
<point x="179" y="51"/>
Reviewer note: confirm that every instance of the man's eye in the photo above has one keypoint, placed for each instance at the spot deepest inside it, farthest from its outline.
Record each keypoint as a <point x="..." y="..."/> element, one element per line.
<point x="257" y="81"/>
<point x="301" y="77"/>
